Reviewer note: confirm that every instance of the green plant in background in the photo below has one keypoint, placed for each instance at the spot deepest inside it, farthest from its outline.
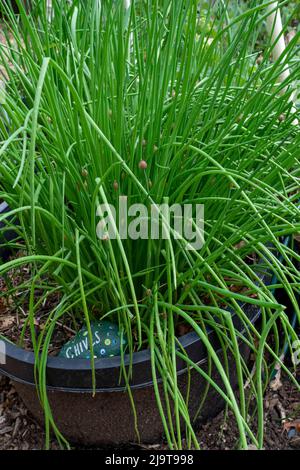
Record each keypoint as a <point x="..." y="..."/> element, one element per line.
<point x="93" y="92"/>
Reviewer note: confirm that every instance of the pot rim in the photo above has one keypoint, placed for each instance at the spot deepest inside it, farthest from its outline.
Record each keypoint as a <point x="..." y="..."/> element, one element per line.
<point x="3" y="207"/>
<point x="66" y="374"/>
<point x="23" y="362"/>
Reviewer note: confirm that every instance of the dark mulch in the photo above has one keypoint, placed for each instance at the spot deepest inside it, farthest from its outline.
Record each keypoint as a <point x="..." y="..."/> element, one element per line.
<point x="19" y="431"/>
<point x="282" y="412"/>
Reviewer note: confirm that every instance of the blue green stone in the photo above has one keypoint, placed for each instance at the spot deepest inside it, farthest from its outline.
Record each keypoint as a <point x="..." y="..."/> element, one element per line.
<point x="106" y="342"/>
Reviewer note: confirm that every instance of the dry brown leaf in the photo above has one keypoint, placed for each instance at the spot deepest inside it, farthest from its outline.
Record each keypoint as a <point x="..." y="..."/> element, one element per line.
<point x="239" y="245"/>
<point x="290" y="36"/>
<point x="292" y="425"/>
<point x="276" y="384"/>
<point x="6" y="321"/>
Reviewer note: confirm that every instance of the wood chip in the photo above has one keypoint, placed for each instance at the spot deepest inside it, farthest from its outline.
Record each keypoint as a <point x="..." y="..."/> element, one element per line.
<point x="6" y="430"/>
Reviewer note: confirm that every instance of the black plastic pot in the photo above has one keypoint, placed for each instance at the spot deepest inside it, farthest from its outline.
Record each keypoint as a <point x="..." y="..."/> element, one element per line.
<point x="107" y="418"/>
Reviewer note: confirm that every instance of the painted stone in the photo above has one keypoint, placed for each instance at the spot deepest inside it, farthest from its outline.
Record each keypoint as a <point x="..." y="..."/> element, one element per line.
<point x="106" y="342"/>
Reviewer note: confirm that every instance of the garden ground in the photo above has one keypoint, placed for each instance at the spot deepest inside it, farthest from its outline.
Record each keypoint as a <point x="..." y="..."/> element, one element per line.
<point x="19" y="431"/>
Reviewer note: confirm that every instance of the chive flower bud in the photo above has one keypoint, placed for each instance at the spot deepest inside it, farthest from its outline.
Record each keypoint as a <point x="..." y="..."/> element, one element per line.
<point x="143" y="165"/>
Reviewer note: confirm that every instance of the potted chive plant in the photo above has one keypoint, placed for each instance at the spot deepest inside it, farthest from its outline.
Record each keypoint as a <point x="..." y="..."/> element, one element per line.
<point x="150" y="103"/>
